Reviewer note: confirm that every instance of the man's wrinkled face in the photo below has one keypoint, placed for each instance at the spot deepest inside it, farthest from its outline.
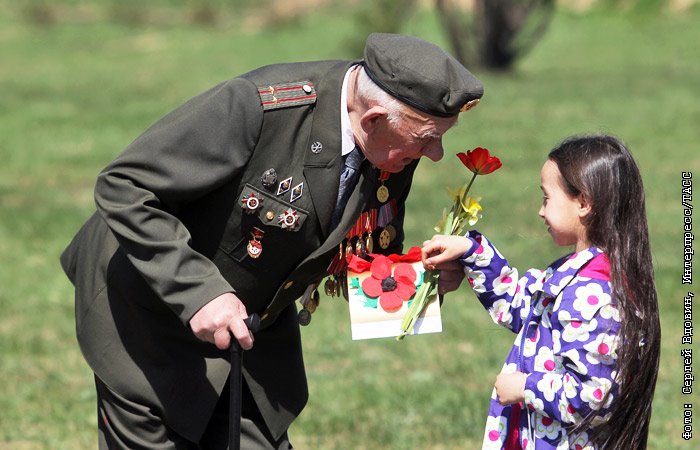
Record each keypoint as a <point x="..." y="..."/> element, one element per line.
<point x="392" y="148"/>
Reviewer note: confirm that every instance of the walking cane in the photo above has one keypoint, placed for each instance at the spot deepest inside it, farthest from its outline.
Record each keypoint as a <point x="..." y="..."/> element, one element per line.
<point x="235" y="385"/>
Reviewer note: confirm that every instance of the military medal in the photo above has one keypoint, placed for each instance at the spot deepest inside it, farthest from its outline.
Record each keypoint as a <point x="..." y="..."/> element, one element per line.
<point x="251" y="202"/>
<point x="329" y="287"/>
<point x="284" y="186"/>
<point x="384" y="239"/>
<point x="392" y="232"/>
<point x="348" y="251"/>
<point x="254" y="246"/>
<point x="296" y="192"/>
<point x="269" y="178"/>
<point x="304" y="317"/>
<point x="309" y="302"/>
<point x="383" y="191"/>
<point x="313" y="302"/>
<point x="386" y="215"/>
<point x="288" y="219"/>
<point x="369" y="244"/>
<point x="370" y="225"/>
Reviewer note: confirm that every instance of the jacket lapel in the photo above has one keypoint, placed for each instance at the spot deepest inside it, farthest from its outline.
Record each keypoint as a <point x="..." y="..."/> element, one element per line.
<point x="323" y="161"/>
<point x="357" y="200"/>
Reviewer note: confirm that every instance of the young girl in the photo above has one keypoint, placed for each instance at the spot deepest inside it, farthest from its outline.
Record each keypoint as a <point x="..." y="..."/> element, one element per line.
<point x="582" y="371"/>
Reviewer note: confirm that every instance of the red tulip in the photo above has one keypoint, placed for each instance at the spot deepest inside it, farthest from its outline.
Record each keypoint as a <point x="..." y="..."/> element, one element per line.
<point x="480" y="161"/>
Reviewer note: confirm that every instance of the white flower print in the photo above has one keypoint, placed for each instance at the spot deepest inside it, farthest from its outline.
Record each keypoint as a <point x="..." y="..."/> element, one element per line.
<point x="522" y="301"/>
<point x="573" y="361"/>
<point x="556" y="341"/>
<point x="530" y="346"/>
<point x="546" y="427"/>
<point x="594" y="390"/>
<point x="603" y="350"/>
<point x="509" y="368"/>
<point x="545" y="305"/>
<point x="576" y="260"/>
<point x="545" y="361"/>
<point x="574" y="328"/>
<point x="506" y="282"/>
<point x="589" y="299"/>
<point x="476" y="280"/>
<point x="526" y="441"/>
<point x="570" y="386"/>
<point x="610" y="312"/>
<point x="567" y="411"/>
<point x="495" y="433"/>
<point x="580" y="443"/>
<point x="549" y="385"/>
<point x="500" y="312"/>
<point x="530" y="399"/>
<point x="483" y="255"/>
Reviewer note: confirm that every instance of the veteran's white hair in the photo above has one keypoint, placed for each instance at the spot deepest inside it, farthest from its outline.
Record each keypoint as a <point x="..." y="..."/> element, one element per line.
<point x="371" y="93"/>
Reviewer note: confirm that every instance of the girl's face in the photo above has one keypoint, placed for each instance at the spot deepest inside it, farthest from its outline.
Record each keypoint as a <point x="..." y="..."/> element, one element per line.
<point x="562" y="213"/>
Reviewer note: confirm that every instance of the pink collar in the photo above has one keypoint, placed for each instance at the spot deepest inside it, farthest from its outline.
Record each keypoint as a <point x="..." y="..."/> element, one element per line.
<point x="598" y="268"/>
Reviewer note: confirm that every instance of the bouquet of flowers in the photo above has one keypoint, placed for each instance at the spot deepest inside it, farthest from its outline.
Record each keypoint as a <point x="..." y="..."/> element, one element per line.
<point x="465" y="210"/>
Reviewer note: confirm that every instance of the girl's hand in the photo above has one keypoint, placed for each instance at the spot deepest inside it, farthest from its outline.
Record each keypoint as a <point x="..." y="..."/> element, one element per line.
<point x="443" y="249"/>
<point x="510" y="388"/>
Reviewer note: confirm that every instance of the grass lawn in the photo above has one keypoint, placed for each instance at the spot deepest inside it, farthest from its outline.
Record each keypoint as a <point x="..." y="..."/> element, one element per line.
<point x="72" y="95"/>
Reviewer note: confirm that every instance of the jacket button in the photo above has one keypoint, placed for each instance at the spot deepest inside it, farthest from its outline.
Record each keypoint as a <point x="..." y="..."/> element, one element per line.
<point x="288" y="284"/>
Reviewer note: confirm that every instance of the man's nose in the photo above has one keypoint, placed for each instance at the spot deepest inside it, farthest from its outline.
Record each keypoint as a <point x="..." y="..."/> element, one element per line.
<point x="434" y="151"/>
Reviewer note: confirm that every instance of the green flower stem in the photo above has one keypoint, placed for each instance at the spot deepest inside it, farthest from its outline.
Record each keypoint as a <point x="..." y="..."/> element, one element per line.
<point x="419" y="303"/>
<point x="453" y="222"/>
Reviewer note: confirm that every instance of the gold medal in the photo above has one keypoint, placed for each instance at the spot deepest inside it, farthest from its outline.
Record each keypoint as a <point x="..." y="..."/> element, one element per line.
<point x="384" y="239"/>
<point x="313" y="302"/>
<point x="329" y="287"/>
<point x="383" y="193"/>
<point x="369" y="244"/>
<point x="392" y="232"/>
<point x="348" y="251"/>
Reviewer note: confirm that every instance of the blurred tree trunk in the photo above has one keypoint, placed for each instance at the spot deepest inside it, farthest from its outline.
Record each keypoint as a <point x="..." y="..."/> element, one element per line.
<point x="494" y="33"/>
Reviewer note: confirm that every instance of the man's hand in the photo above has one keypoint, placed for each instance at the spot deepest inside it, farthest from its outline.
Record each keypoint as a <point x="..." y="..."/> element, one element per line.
<point x="441" y="252"/>
<point x="510" y="388"/>
<point x="221" y="317"/>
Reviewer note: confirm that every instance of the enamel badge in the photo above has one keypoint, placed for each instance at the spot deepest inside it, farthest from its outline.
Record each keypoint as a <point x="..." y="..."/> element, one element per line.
<point x="251" y="203"/>
<point x="288" y="219"/>
<point x="254" y="247"/>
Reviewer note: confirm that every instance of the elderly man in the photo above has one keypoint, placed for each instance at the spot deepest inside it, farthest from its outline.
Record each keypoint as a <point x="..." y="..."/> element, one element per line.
<point x="242" y="201"/>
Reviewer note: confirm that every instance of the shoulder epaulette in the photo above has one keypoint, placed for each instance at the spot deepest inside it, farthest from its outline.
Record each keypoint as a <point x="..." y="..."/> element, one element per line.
<point x="287" y="94"/>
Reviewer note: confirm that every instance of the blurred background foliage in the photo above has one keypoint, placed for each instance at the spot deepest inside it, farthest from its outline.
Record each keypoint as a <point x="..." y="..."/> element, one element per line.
<point x="80" y="79"/>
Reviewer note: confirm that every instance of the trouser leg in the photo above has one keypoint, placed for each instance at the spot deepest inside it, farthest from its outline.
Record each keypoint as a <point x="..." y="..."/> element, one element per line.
<point x="124" y="424"/>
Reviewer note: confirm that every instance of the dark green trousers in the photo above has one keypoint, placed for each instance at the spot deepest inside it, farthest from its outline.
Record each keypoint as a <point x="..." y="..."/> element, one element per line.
<point x="125" y="424"/>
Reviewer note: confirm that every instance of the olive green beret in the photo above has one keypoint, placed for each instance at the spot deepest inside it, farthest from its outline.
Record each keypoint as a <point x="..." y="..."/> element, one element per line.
<point x="420" y="74"/>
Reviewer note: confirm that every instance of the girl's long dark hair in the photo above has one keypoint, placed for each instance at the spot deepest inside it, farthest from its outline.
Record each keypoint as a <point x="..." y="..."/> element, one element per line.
<point x="601" y="169"/>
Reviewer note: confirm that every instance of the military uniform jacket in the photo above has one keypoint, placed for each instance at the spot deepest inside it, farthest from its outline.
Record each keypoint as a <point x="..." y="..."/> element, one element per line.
<point x="171" y="230"/>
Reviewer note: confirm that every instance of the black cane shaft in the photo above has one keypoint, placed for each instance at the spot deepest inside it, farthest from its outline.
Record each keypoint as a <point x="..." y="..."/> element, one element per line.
<point x="235" y="385"/>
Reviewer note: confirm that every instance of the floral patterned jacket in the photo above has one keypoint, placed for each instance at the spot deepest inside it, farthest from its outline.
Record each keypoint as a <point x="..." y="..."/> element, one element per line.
<point x="566" y="324"/>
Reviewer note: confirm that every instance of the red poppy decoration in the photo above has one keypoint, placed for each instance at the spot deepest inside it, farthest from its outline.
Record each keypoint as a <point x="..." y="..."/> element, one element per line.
<point x="392" y="290"/>
<point x="480" y="161"/>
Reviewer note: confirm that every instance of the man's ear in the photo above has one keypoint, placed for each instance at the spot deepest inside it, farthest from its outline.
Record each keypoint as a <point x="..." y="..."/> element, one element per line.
<point x="373" y="118"/>
<point x="584" y="206"/>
